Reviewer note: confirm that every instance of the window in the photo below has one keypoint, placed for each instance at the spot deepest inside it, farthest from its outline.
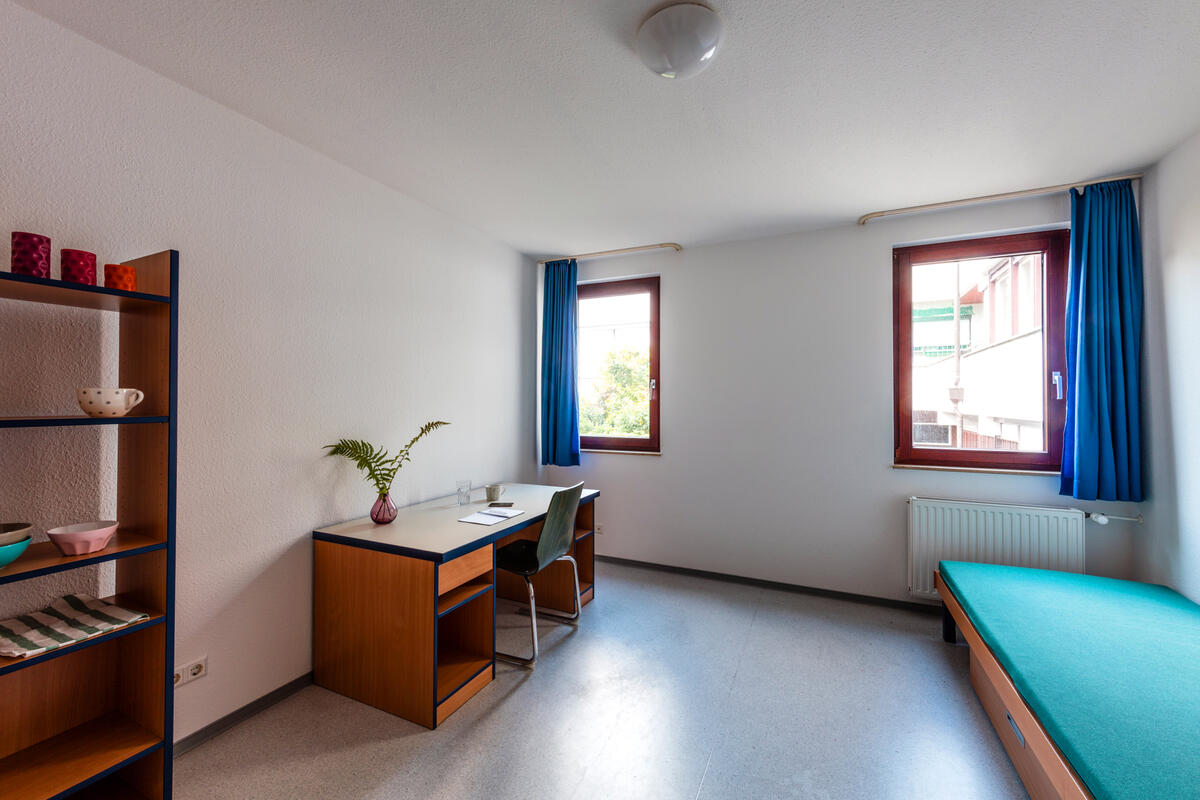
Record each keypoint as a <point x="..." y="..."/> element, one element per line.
<point x="979" y="352"/>
<point x="618" y="365"/>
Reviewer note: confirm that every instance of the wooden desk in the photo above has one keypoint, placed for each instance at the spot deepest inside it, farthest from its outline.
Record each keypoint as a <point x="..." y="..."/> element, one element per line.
<point x="404" y="614"/>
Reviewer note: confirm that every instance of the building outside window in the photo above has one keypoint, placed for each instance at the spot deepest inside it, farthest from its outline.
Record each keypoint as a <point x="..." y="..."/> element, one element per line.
<point x="978" y="359"/>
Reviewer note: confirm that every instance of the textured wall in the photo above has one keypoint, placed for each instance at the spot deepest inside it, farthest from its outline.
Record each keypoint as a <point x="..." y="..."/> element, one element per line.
<point x="777" y="413"/>
<point x="1169" y="552"/>
<point x="315" y="303"/>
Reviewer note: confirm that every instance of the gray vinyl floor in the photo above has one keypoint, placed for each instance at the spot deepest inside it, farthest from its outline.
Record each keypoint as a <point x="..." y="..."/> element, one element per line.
<point x="673" y="686"/>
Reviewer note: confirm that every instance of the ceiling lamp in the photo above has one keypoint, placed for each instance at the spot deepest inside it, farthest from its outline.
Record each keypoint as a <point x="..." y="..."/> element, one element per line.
<point x="680" y="41"/>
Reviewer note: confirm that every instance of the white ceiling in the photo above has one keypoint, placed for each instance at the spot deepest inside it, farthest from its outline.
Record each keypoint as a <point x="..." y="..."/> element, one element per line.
<point x="535" y="121"/>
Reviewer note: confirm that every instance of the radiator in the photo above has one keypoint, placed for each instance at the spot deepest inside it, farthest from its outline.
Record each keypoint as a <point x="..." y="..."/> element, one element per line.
<point x="990" y="533"/>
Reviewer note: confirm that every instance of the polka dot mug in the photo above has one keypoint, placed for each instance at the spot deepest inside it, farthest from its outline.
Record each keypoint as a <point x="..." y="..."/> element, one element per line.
<point x="102" y="401"/>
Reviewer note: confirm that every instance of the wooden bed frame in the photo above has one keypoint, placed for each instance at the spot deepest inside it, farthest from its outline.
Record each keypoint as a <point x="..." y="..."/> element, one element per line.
<point x="1043" y="769"/>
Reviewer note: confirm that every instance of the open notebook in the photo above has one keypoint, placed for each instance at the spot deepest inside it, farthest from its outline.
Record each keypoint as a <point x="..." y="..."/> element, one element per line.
<point x="490" y="516"/>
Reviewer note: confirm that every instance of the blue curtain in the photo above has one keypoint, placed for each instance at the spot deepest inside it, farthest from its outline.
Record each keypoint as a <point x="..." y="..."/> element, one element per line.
<point x="560" y="401"/>
<point x="1102" y="457"/>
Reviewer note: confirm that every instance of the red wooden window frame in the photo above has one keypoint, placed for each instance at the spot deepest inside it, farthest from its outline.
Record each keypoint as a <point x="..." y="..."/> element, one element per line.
<point x="588" y="291"/>
<point x="1055" y="245"/>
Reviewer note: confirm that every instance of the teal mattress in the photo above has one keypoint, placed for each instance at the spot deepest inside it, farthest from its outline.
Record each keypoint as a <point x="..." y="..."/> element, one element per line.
<point x="1111" y="669"/>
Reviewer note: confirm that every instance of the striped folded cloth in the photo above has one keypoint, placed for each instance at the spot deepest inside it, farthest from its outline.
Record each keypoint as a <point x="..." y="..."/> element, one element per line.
<point x="70" y="619"/>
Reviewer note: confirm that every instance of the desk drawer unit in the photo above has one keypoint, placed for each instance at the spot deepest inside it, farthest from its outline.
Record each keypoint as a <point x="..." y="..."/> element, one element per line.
<point x="453" y="574"/>
<point x="387" y="633"/>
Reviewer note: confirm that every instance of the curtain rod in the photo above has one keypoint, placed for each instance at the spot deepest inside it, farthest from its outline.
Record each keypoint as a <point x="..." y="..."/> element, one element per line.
<point x="865" y="218"/>
<point x="620" y="252"/>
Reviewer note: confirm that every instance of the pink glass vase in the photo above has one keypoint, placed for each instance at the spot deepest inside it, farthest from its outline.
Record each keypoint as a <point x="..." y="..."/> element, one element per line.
<point x="384" y="510"/>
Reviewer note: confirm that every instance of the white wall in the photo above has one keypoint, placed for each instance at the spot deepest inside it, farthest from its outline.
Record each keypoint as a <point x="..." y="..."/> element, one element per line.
<point x="315" y="303"/>
<point x="1170" y="550"/>
<point x="776" y="408"/>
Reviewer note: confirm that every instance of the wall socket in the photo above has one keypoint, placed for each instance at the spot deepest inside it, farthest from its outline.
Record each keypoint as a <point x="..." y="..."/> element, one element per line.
<point x="599" y="530"/>
<point x="190" y="672"/>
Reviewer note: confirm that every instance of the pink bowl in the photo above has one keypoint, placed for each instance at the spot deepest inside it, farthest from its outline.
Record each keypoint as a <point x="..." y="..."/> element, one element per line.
<point x="86" y="537"/>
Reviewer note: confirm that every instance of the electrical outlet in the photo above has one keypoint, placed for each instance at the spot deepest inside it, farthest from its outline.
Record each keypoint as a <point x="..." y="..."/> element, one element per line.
<point x="190" y="672"/>
<point x="198" y="669"/>
<point x="599" y="530"/>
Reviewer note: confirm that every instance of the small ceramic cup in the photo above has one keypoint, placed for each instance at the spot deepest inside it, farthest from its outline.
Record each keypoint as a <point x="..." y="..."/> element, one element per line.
<point x="79" y="266"/>
<point x="30" y="254"/>
<point x="104" y="401"/>
<point x="494" y="491"/>
<point x="120" y="276"/>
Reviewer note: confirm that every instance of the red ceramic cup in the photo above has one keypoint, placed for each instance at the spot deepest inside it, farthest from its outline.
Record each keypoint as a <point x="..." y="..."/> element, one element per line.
<point x="79" y="266"/>
<point x="30" y="254"/>
<point x="120" y="276"/>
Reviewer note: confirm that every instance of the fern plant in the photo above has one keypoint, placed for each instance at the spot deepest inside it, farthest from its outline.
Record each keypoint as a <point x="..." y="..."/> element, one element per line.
<point x="378" y="467"/>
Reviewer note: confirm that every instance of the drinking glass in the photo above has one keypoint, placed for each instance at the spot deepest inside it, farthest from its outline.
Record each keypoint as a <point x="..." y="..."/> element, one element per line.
<point x="464" y="492"/>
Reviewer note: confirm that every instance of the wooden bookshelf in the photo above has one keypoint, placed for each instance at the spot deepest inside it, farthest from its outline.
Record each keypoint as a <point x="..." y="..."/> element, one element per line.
<point x="94" y="718"/>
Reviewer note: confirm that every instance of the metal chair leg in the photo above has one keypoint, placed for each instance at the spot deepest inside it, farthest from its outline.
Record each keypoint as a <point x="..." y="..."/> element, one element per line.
<point x="514" y="659"/>
<point x="578" y="602"/>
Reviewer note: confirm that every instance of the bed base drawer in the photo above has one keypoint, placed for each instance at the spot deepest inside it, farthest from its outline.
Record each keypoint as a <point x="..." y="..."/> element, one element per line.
<point x="1021" y="741"/>
<point x="1043" y="769"/>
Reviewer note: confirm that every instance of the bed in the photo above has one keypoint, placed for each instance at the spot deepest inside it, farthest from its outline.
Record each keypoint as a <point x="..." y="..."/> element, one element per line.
<point x="1092" y="684"/>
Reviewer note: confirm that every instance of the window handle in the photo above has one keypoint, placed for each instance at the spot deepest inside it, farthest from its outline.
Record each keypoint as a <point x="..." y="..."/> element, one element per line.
<point x="1058" y="384"/>
<point x="653" y="387"/>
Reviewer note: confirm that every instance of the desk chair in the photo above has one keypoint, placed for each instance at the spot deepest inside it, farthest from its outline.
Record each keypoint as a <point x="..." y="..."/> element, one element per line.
<point x="527" y="558"/>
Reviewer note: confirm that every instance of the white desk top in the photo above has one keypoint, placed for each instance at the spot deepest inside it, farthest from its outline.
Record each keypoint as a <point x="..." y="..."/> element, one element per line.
<point x="431" y="530"/>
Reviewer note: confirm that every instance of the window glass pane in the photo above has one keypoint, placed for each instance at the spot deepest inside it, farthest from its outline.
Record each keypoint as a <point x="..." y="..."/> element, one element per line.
<point x="1001" y="297"/>
<point x="614" y="366"/>
<point x="978" y="384"/>
<point x="1030" y="285"/>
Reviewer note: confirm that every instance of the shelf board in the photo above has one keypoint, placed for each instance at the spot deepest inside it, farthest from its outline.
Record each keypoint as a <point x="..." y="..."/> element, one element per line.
<point x="455" y="668"/>
<point x="77" y="295"/>
<point x="74" y="758"/>
<point x="8" y="665"/>
<point x="74" y="419"/>
<point x="110" y="788"/>
<point x="43" y="558"/>
<point x="464" y="594"/>
<point x="581" y="533"/>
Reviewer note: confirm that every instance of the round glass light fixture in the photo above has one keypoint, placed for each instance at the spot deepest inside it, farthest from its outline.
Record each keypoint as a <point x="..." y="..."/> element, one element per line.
<point x="680" y="41"/>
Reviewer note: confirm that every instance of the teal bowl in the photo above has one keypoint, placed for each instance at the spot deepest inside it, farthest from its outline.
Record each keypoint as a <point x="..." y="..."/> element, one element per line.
<point x="11" y="552"/>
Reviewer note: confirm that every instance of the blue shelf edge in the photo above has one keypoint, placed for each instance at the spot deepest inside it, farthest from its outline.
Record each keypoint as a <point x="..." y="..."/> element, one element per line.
<point x="70" y="421"/>
<point x="465" y="600"/>
<point x="84" y="288"/>
<point x="99" y="776"/>
<point x="66" y="650"/>
<point x="83" y="561"/>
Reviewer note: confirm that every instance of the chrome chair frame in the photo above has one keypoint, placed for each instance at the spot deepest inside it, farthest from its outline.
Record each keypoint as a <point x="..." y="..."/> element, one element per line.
<point x="512" y="658"/>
